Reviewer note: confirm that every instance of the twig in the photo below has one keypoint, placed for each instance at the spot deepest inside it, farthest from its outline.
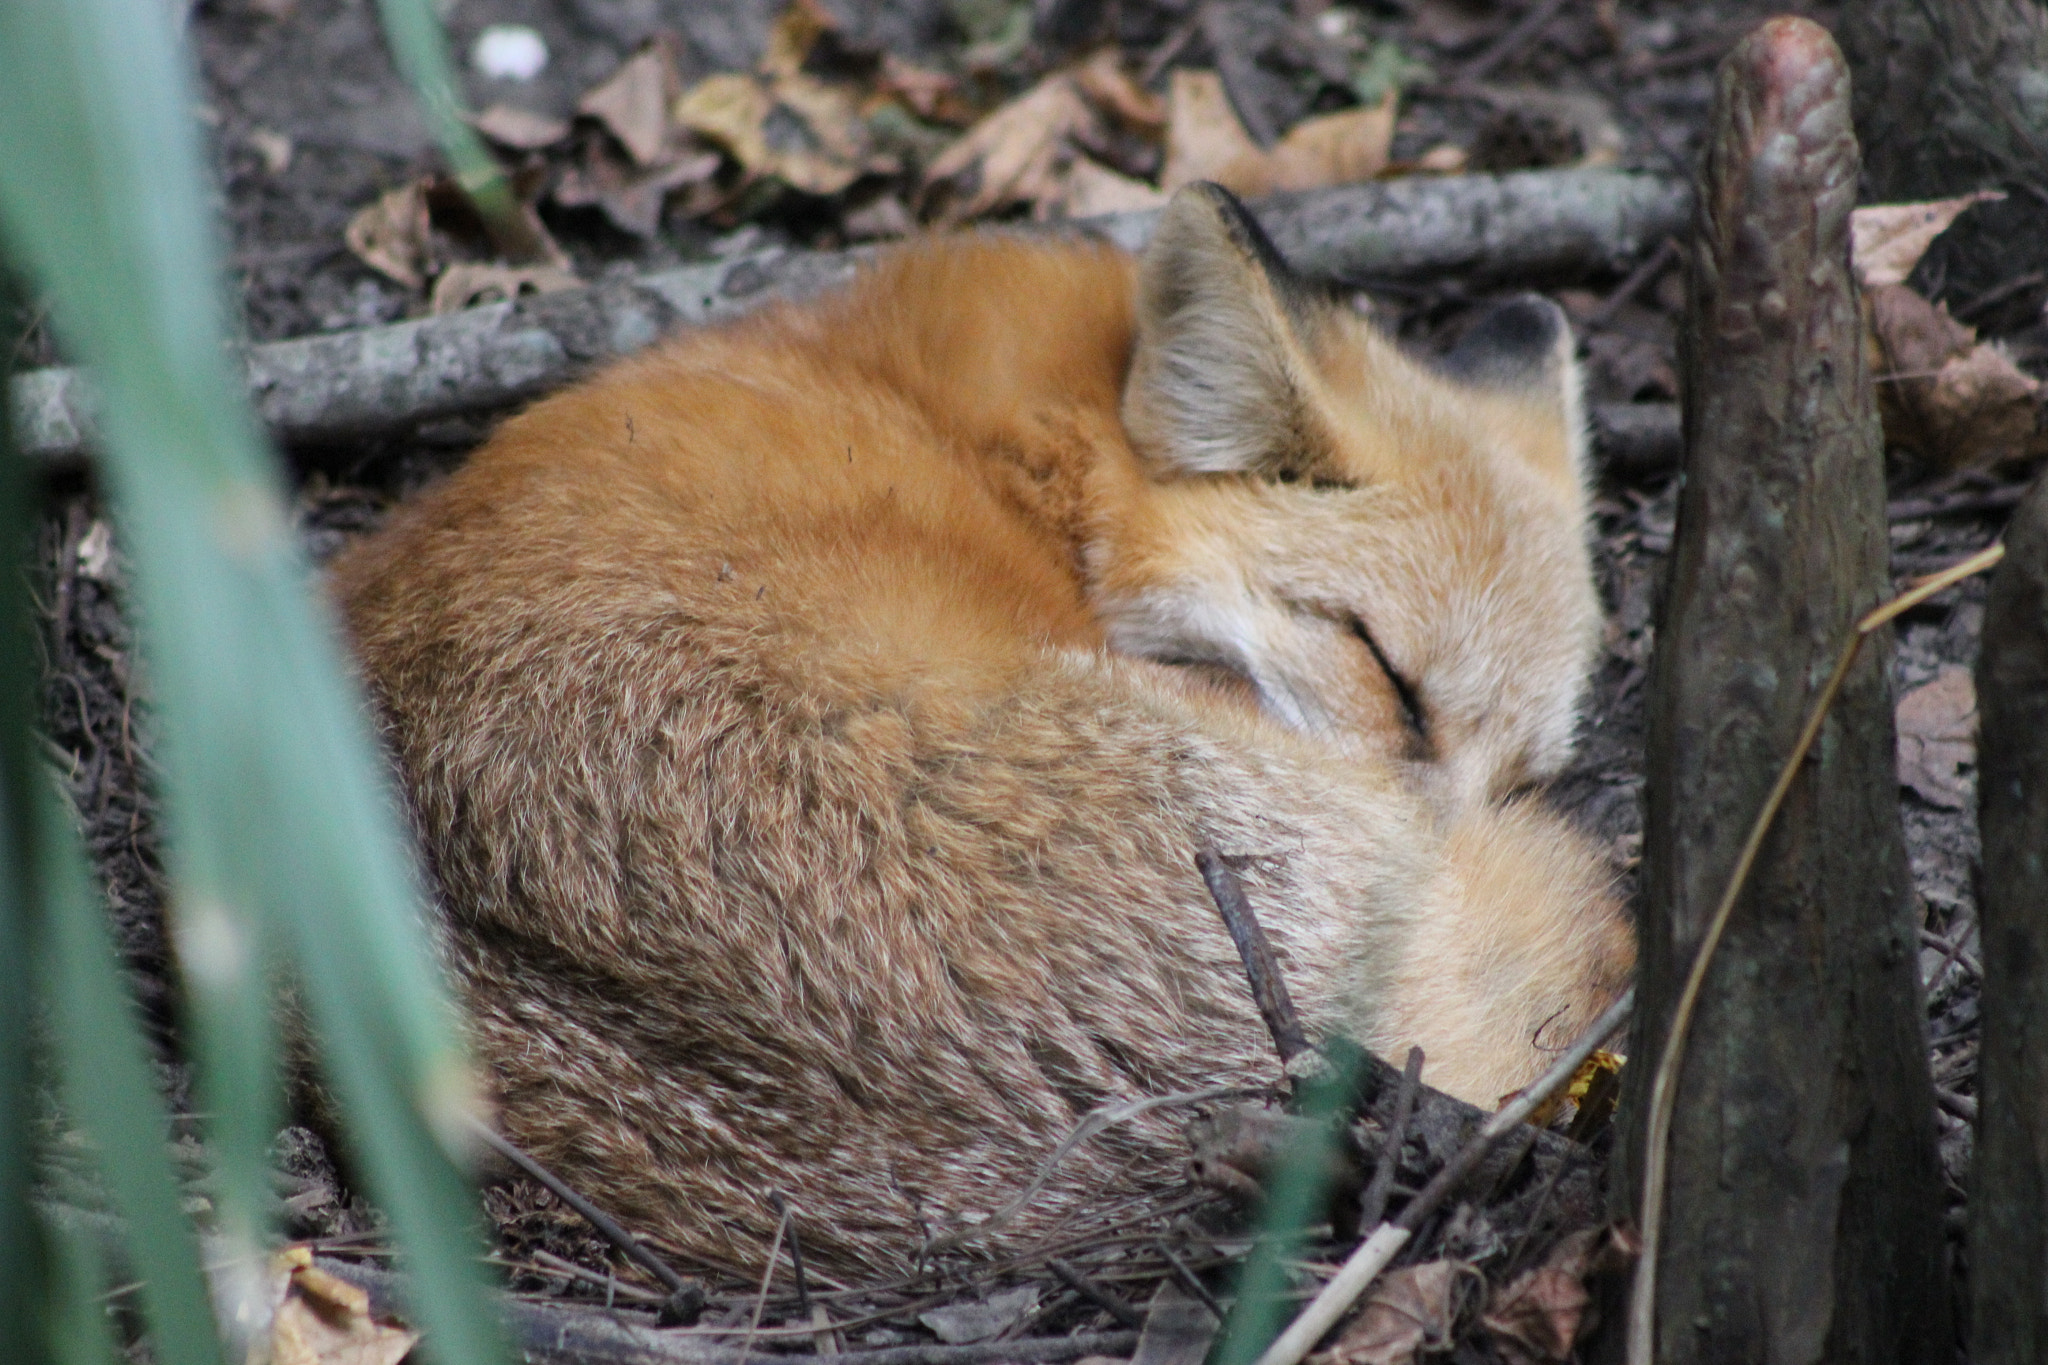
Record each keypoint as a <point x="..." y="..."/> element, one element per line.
<point x="796" y="1253"/>
<point x="1188" y="1279"/>
<point x="1953" y="951"/>
<point x="1109" y="1303"/>
<point x="1372" y="1256"/>
<point x="1990" y="500"/>
<point x="1261" y="968"/>
<point x="1094" y="1121"/>
<point x="1642" y="1306"/>
<point x="1652" y="266"/>
<point x="1525" y="31"/>
<point x="1373" y="1203"/>
<point x="1962" y="1106"/>
<point x="591" y="1214"/>
<point x="611" y="1284"/>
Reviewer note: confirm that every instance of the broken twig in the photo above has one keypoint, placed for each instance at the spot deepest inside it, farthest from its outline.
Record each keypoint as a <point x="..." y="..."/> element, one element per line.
<point x="1377" y="1251"/>
<point x="1261" y="968"/>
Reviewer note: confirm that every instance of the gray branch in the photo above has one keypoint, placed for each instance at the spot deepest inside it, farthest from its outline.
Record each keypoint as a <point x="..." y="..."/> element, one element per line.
<point x="383" y="380"/>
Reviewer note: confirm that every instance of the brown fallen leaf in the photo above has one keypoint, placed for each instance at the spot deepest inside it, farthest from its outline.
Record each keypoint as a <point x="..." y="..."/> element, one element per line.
<point x="1204" y="136"/>
<point x="466" y="284"/>
<point x="631" y="196"/>
<point x="1092" y="189"/>
<point x="1018" y="154"/>
<point x="931" y="95"/>
<point x="799" y="130"/>
<point x="1888" y="240"/>
<point x="1542" y="1315"/>
<point x="633" y="103"/>
<point x="1205" y="140"/>
<point x="1103" y="79"/>
<point x="1957" y="402"/>
<point x="520" y="129"/>
<point x="1332" y="149"/>
<point x="394" y="235"/>
<point x="1408" y="1312"/>
<point x="1937" y="737"/>
<point x="322" y="1320"/>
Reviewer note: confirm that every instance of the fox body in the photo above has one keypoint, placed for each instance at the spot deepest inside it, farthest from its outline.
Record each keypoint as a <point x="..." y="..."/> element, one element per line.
<point x="811" y="725"/>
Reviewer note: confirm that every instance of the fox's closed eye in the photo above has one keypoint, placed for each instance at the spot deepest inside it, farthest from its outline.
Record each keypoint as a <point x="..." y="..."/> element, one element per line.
<point x="1412" y="712"/>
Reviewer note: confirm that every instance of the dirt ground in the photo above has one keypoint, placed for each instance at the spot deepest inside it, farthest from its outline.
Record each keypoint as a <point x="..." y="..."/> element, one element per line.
<point x="310" y="124"/>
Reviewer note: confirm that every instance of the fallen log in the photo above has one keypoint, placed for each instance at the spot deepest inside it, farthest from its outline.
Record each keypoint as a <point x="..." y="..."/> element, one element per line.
<point x="2009" y="1182"/>
<point x="345" y="386"/>
<point x="1800" y="1218"/>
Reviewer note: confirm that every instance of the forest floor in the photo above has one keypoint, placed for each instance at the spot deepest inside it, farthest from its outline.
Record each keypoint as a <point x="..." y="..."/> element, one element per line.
<point x="310" y="126"/>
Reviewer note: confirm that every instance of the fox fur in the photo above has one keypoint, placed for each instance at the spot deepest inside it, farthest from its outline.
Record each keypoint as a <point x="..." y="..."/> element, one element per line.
<point x="810" y="726"/>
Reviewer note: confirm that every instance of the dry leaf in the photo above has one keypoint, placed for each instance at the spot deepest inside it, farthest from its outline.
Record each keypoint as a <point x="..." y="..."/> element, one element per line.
<point x="796" y="32"/>
<point x="968" y="1322"/>
<point x="1888" y="240"/>
<point x="933" y="95"/>
<point x="1018" y="154"/>
<point x="1093" y="189"/>
<point x="394" y="235"/>
<point x="323" y="1320"/>
<point x="1937" y="723"/>
<point x="466" y="284"/>
<point x="1409" y="1311"/>
<point x="1956" y="401"/>
<point x="1204" y="136"/>
<point x="806" y="133"/>
<point x="1333" y="149"/>
<point x="630" y="196"/>
<point x="633" y="103"/>
<point x="1540" y="1317"/>
<point x="1205" y="140"/>
<point x="520" y="129"/>
<point x="1102" y="79"/>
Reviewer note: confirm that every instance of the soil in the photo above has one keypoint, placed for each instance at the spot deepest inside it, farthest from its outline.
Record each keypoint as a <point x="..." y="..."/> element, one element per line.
<point x="310" y="123"/>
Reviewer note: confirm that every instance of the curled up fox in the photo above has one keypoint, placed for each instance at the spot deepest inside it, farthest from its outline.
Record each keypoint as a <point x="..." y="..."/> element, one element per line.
<point x="811" y="724"/>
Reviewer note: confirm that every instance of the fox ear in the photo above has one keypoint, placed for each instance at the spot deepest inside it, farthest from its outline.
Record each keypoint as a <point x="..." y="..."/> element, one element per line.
<point x="1525" y="347"/>
<point x="1219" y="373"/>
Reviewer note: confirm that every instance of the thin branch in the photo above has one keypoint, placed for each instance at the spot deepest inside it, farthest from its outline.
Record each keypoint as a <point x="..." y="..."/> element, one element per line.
<point x="1373" y="1204"/>
<point x="596" y="1217"/>
<point x="1261" y="968"/>
<point x="1377" y="1251"/>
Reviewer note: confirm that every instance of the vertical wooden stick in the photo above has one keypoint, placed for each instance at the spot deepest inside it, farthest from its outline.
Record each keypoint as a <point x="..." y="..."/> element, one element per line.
<point x="1801" y="1210"/>
<point x="2009" y="1187"/>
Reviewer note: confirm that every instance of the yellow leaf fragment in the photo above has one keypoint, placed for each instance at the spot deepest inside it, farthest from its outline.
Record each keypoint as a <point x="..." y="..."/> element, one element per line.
<point x="324" y="1320"/>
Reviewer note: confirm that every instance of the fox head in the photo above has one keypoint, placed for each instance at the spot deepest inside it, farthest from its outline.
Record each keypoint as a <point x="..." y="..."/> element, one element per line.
<point x="1391" y="554"/>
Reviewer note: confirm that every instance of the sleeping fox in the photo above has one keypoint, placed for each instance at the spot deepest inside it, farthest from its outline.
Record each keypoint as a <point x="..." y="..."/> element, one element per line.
<point x="811" y="725"/>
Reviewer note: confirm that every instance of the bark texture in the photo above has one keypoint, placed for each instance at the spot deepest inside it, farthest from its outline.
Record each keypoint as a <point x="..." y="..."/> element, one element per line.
<point x="381" y="380"/>
<point x="2009" y="1195"/>
<point x="1802" y="1205"/>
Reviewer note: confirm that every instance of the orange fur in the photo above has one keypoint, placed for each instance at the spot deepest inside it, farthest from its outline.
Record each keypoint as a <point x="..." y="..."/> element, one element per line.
<point x="810" y="725"/>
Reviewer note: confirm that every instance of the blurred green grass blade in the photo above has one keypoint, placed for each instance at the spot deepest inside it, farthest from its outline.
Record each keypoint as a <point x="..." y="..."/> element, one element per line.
<point x="80" y="1332"/>
<point x="280" y="831"/>
<point x="110" y="1095"/>
<point x="24" y="1276"/>
<point x="420" y="49"/>
<point x="1299" y="1188"/>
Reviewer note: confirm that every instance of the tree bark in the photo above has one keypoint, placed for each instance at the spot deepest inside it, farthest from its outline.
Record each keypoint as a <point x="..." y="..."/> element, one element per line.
<point x="2009" y="1188"/>
<point x="384" y="380"/>
<point x="1802" y="1217"/>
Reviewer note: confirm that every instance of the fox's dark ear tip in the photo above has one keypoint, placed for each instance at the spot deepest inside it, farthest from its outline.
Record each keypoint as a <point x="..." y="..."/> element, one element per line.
<point x="1513" y="341"/>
